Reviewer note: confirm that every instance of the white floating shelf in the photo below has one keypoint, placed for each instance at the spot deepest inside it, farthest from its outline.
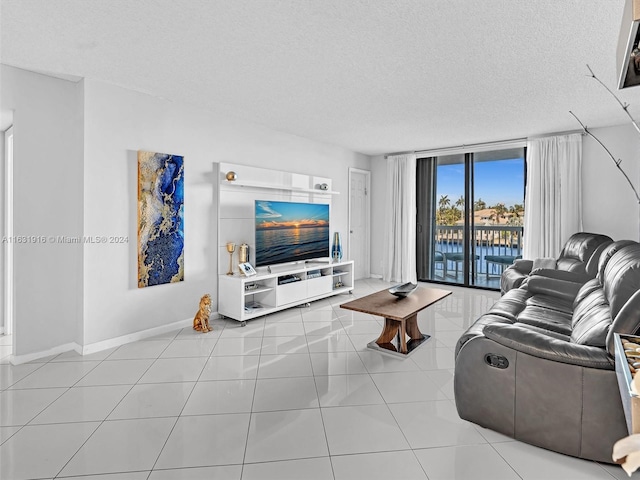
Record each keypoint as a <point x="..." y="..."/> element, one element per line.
<point x="317" y="191"/>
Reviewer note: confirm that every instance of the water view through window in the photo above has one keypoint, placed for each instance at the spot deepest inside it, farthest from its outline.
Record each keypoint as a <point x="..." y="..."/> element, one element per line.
<point x="470" y="215"/>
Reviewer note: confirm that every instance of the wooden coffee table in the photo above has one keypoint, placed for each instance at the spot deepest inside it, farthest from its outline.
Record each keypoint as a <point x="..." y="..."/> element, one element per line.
<point x="400" y="317"/>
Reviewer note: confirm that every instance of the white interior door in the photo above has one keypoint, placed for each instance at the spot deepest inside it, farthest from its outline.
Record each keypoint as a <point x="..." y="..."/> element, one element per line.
<point x="359" y="221"/>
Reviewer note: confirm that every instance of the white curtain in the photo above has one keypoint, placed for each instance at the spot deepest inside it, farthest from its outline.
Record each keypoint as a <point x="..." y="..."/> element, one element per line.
<point x="400" y="220"/>
<point x="553" y="201"/>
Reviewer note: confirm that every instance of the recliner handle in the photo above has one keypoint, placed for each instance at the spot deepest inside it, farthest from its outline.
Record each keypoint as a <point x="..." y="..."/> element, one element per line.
<point x="496" y="360"/>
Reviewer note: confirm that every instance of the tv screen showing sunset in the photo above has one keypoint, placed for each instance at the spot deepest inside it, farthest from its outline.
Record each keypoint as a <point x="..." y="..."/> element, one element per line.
<point x="290" y="232"/>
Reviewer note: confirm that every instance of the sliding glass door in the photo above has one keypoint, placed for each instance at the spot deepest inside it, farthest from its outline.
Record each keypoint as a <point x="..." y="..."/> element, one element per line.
<point x="470" y="213"/>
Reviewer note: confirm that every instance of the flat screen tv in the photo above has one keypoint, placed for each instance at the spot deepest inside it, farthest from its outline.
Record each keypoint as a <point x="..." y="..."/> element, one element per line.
<point x="290" y="231"/>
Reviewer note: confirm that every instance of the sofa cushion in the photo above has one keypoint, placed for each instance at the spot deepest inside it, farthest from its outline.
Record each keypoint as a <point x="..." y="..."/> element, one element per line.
<point x="627" y="321"/>
<point x="591" y="320"/>
<point x="622" y="290"/>
<point x="552" y="303"/>
<point x="546" y="319"/>
<point x="588" y="304"/>
<point x="622" y="277"/>
<point x="579" y="249"/>
<point x="608" y="252"/>
<point x="571" y="265"/>
<point x="510" y="304"/>
<point x="592" y="328"/>
<point x="586" y="289"/>
<point x="564" y="290"/>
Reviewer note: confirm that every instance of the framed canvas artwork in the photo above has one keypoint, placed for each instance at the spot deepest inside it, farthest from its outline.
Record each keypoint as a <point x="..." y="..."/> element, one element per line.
<point x="160" y="218"/>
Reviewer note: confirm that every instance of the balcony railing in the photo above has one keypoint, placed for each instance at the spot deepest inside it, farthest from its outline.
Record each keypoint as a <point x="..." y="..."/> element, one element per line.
<point x="500" y="242"/>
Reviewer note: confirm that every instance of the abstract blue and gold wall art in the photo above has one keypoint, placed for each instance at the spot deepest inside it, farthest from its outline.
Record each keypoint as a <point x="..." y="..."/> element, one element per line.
<point x="160" y="218"/>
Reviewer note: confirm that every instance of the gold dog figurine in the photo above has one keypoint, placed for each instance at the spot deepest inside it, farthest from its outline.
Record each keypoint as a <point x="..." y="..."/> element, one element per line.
<point x="201" y="320"/>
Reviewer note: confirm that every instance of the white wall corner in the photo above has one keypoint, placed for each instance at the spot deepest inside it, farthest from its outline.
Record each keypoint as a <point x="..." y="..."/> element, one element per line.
<point x="29" y="357"/>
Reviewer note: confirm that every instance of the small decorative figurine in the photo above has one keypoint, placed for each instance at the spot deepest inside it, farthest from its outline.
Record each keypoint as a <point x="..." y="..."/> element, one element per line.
<point x="201" y="320"/>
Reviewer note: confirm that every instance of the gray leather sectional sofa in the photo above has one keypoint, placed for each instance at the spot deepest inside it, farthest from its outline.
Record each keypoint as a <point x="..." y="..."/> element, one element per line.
<point x="539" y="365"/>
<point x="578" y="261"/>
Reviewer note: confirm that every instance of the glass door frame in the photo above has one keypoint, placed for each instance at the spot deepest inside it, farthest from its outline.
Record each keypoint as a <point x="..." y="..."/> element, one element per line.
<point x="470" y="270"/>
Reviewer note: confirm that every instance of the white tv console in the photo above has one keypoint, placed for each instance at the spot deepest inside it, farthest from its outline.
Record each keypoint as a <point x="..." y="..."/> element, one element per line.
<point x="243" y="298"/>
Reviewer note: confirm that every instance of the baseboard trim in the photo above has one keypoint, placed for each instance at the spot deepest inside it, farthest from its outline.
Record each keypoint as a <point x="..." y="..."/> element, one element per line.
<point x="30" y="357"/>
<point x="133" y="337"/>
<point x="375" y="275"/>
<point x="104" y="344"/>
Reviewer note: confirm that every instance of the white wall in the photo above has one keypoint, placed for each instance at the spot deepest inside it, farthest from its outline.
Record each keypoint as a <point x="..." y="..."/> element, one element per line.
<point x="118" y="122"/>
<point x="609" y="205"/>
<point x="2" y="234"/>
<point x="48" y="170"/>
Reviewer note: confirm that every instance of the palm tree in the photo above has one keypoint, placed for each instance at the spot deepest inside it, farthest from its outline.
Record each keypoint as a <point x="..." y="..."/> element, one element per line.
<point x="498" y="212"/>
<point x="441" y="214"/>
<point x="460" y="203"/>
<point x="517" y="212"/>
<point x="479" y="204"/>
<point x="443" y="203"/>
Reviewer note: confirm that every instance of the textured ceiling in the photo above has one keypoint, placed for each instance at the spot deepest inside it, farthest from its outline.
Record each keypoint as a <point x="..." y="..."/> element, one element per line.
<point x="374" y="76"/>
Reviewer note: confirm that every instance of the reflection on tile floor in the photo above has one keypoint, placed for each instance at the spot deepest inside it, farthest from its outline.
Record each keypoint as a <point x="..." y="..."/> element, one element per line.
<point x="295" y="395"/>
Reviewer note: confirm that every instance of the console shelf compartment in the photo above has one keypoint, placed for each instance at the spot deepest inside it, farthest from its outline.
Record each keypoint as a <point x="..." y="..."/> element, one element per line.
<point x="235" y="302"/>
<point x="260" y="289"/>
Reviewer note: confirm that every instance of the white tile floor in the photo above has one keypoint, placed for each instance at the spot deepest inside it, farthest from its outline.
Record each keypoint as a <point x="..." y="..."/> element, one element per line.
<point x="295" y="395"/>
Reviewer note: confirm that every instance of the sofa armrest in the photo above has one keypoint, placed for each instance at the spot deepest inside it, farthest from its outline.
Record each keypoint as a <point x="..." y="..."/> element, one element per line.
<point x="476" y="329"/>
<point x="553" y="287"/>
<point x="575" y="277"/>
<point x="514" y="275"/>
<point x="537" y="344"/>
<point x="523" y="266"/>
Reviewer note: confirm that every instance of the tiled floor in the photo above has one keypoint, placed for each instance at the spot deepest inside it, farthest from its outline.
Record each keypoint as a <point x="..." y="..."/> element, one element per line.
<point x="295" y="395"/>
